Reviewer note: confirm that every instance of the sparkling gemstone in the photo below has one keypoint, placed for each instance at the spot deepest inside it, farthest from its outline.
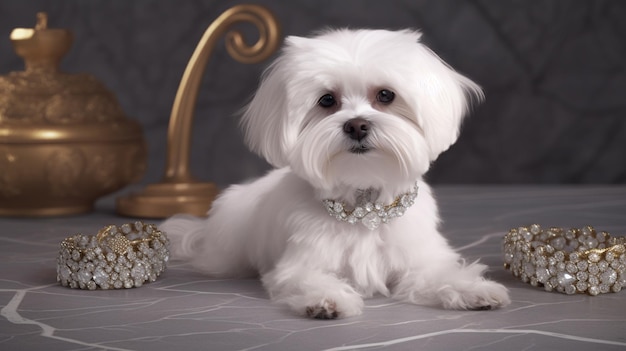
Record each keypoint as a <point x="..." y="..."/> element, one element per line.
<point x="593" y="269"/>
<point x="609" y="256"/>
<point x="529" y="268"/>
<point x="400" y="210"/>
<point x="608" y="277"/>
<point x="75" y="255"/>
<point x="100" y="276"/>
<point x="590" y="242"/>
<point x="371" y="221"/>
<point x="594" y="290"/>
<point x="559" y="255"/>
<point x="359" y="212"/>
<point x="138" y="271"/>
<point x="528" y="236"/>
<point x="571" y="268"/>
<point x="65" y="272"/>
<point x="337" y="207"/>
<point x="581" y="286"/>
<point x="541" y="261"/>
<point x="594" y="257"/>
<point x="565" y="279"/>
<point x="508" y="257"/>
<point x="84" y="276"/>
<point x="558" y="243"/>
<point x="543" y="275"/>
<point x="535" y="229"/>
<point x="139" y="226"/>
<point x="126" y="229"/>
<point x="553" y="270"/>
<point x="570" y="289"/>
<point x="406" y="200"/>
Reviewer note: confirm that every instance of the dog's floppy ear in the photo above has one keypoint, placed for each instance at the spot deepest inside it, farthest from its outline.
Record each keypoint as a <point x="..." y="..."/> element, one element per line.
<point x="443" y="99"/>
<point x="265" y="116"/>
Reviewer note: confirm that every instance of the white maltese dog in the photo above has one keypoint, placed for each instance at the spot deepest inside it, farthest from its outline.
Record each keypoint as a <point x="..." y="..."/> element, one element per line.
<point x="351" y="119"/>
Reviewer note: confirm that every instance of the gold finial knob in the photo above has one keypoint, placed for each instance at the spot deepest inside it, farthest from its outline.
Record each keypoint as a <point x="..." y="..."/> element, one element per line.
<point x="42" y="48"/>
<point x="42" y="21"/>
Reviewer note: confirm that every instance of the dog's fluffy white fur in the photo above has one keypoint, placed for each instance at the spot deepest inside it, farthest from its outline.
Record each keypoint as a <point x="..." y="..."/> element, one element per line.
<point x="277" y="226"/>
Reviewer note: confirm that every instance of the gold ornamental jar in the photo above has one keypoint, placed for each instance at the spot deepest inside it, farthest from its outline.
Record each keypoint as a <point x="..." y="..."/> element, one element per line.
<point x="64" y="139"/>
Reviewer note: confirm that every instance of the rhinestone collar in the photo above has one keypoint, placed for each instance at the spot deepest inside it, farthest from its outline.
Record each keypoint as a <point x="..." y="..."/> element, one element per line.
<point x="371" y="214"/>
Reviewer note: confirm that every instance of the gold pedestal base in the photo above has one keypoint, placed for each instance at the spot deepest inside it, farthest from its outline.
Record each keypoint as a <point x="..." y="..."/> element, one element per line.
<point x="178" y="192"/>
<point x="162" y="200"/>
<point x="29" y="210"/>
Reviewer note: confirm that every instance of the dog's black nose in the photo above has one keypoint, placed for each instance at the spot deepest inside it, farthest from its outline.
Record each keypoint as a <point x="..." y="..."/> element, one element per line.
<point x="357" y="128"/>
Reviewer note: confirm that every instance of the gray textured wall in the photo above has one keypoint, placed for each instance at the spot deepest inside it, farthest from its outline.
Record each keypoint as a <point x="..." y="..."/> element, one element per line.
<point x="554" y="73"/>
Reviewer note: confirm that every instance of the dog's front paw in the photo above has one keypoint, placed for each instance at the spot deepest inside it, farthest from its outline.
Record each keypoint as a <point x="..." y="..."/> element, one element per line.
<point x="478" y="296"/>
<point x="326" y="309"/>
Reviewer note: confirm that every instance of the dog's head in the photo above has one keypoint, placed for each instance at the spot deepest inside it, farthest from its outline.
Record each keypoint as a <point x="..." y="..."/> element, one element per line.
<point x="358" y="107"/>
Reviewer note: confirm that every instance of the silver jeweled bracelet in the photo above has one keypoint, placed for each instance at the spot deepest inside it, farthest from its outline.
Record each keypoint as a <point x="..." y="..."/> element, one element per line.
<point x="117" y="257"/>
<point x="569" y="261"/>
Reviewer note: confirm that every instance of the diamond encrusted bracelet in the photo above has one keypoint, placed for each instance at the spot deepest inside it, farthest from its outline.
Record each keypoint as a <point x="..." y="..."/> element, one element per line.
<point x="568" y="261"/>
<point x="117" y="257"/>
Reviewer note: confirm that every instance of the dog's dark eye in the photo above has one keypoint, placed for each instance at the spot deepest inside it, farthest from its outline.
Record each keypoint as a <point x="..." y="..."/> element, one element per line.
<point x="385" y="96"/>
<point x="327" y="101"/>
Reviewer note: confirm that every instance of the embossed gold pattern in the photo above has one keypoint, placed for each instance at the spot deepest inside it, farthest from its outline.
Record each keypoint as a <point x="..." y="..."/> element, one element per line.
<point x="179" y="191"/>
<point x="64" y="140"/>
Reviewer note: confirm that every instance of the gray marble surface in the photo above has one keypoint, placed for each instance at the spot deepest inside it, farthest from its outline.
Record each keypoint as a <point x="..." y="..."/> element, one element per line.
<point x="184" y="310"/>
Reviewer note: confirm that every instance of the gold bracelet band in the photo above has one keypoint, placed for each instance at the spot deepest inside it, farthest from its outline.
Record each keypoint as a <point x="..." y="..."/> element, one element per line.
<point x="568" y="261"/>
<point x="117" y="257"/>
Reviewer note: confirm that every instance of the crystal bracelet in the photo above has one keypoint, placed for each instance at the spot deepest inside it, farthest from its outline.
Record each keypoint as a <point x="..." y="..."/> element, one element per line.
<point x="568" y="261"/>
<point x="117" y="257"/>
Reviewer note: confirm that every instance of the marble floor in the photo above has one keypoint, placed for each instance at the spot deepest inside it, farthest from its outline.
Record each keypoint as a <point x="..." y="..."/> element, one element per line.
<point x="184" y="310"/>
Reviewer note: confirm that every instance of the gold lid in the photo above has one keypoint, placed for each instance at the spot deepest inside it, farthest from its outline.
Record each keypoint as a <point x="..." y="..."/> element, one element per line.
<point x="41" y="48"/>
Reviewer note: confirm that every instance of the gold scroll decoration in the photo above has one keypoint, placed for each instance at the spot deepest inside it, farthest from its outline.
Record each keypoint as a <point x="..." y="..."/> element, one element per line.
<point x="179" y="191"/>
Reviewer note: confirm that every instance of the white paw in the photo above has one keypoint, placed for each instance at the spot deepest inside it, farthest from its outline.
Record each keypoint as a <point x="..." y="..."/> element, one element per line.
<point x="478" y="295"/>
<point x="326" y="309"/>
<point x="338" y="306"/>
<point x="326" y="305"/>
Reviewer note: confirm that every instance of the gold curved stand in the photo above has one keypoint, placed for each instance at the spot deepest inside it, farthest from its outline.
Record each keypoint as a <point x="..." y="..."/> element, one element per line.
<point x="179" y="192"/>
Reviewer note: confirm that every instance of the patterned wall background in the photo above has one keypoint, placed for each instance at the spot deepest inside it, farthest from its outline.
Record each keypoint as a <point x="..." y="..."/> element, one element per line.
<point x="554" y="74"/>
